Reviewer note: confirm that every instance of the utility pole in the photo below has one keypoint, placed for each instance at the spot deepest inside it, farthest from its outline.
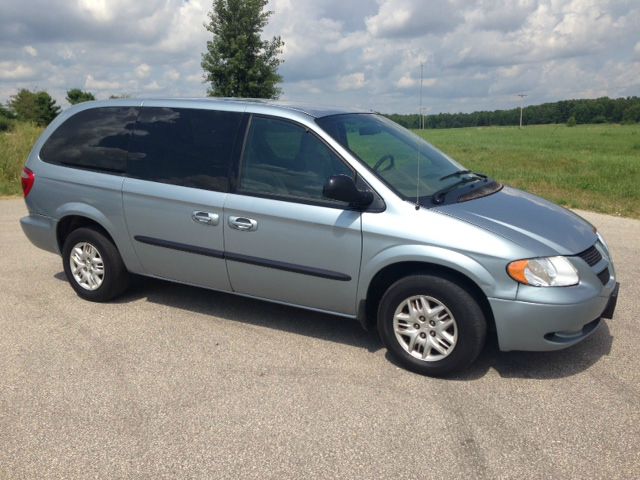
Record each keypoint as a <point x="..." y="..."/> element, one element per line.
<point x="421" y="113"/>
<point x="521" y="95"/>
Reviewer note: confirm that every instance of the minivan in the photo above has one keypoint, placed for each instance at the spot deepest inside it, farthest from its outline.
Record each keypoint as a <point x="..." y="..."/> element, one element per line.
<point x="328" y="209"/>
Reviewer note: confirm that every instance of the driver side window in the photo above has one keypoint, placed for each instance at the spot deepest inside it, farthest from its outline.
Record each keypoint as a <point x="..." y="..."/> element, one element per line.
<point x="285" y="159"/>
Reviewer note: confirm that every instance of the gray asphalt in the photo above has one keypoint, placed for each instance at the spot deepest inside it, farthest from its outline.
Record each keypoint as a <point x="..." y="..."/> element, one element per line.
<point x="179" y="382"/>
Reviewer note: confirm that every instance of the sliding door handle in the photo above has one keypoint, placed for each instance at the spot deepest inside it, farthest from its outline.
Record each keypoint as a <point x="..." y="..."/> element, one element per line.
<point x="206" y="218"/>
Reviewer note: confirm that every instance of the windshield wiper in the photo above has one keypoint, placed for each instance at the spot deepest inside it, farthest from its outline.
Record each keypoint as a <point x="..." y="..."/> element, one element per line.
<point x="462" y="172"/>
<point x="438" y="197"/>
<point x="455" y="174"/>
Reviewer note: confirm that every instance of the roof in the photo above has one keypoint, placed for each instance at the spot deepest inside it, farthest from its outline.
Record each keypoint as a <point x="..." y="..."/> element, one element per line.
<point x="312" y="110"/>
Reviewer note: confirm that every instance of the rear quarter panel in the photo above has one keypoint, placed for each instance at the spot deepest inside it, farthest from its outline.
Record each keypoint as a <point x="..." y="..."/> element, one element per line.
<point x="61" y="191"/>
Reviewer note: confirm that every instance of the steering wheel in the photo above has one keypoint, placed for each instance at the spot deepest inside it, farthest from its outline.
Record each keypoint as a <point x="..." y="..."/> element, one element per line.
<point x="384" y="158"/>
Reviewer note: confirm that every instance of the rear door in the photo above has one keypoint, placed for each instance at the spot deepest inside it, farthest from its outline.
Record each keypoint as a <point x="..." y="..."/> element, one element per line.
<point x="284" y="240"/>
<point x="178" y="179"/>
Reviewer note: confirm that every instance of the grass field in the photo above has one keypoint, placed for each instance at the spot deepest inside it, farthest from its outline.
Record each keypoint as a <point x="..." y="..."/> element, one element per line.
<point x="592" y="167"/>
<point x="14" y="149"/>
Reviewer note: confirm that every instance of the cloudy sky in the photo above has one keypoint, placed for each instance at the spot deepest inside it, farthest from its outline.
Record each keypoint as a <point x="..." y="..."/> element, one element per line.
<point x="360" y="53"/>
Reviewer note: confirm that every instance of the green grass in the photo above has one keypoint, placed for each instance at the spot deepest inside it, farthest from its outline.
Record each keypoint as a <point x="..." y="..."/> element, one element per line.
<point x="15" y="146"/>
<point x="591" y="167"/>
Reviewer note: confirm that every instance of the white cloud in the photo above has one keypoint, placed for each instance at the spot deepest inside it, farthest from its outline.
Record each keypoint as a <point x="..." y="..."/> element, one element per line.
<point x="412" y="18"/>
<point x="185" y="27"/>
<point x="406" y="81"/>
<point x="142" y="71"/>
<point x="510" y="72"/>
<point x="98" y="9"/>
<point x="93" y="84"/>
<point x="66" y="53"/>
<point x="15" y="71"/>
<point x="152" y="87"/>
<point x="31" y="51"/>
<point x="172" y="75"/>
<point x="194" y="78"/>
<point x="354" y="81"/>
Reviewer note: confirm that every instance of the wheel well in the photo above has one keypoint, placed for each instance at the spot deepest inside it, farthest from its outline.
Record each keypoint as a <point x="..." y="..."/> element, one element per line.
<point x="68" y="224"/>
<point x="392" y="273"/>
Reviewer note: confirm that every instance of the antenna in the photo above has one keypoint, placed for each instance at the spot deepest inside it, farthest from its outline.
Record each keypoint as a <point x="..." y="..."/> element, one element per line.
<point x="421" y="77"/>
<point x="421" y="128"/>
<point x="522" y="96"/>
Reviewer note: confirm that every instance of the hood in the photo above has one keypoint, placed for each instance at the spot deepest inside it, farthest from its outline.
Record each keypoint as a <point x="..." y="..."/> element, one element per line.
<point x="532" y="222"/>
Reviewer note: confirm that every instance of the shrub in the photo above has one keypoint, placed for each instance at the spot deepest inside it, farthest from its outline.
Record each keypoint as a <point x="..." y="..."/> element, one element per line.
<point x="5" y="124"/>
<point x="572" y="121"/>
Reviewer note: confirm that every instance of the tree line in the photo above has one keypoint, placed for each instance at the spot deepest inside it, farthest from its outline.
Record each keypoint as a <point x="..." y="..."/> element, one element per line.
<point x="571" y="112"/>
<point x="38" y="107"/>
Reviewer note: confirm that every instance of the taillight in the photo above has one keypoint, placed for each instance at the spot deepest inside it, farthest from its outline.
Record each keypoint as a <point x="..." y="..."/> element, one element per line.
<point x="28" y="179"/>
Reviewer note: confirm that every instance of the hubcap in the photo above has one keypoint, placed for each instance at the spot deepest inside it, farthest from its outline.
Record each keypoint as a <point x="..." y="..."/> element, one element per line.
<point x="87" y="266"/>
<point x="425" y="328"/>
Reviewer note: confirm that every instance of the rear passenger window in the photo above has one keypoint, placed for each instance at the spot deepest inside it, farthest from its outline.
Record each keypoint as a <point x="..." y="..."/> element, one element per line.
<point x="96" y="139"/>
<point x="186" y="147"/>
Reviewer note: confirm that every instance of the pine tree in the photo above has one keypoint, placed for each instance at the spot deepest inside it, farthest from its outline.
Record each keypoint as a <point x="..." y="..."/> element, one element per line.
<point x="238" y="63"/>
<point x="37" y="107"/>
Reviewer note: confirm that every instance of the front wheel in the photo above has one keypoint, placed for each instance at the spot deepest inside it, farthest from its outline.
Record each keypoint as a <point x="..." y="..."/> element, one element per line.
<point x="431" y="325"/>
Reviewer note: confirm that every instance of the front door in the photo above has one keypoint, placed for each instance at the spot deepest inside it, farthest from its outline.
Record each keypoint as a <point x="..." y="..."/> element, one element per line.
<point x="284" y="240"/>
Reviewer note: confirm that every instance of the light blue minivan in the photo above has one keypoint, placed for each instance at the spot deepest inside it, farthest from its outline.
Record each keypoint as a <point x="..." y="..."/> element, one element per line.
<point x="332" y="210"/>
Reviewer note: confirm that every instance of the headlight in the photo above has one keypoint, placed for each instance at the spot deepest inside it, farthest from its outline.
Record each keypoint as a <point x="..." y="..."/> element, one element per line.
<point x="544" y="272"/>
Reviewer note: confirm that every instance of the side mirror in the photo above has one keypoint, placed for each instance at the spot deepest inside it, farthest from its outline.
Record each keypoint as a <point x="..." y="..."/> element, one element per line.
<point x="343" y="188"/>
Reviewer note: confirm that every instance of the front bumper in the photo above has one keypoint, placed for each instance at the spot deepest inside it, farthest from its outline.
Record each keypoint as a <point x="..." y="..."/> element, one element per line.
<point x="41" y="231"/>
<point x="543" y="327"/>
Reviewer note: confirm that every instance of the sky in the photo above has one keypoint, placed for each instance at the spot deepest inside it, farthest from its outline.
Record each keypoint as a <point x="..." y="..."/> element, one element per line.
<point x="477" y="55"/>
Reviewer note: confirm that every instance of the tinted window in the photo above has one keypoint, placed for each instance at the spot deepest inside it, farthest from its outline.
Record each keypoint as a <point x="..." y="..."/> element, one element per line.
<point x="95" y="139"/>
<point x="285" y="159"/>
<point x="187" y="147"/>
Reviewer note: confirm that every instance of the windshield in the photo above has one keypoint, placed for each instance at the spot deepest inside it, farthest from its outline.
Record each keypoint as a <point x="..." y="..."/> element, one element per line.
<point x="394" y="154"/>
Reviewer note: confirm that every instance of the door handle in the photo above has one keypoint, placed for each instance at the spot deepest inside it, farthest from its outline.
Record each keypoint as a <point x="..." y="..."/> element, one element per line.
<point x="244" y="224"/>
<point x="206" y="218"/>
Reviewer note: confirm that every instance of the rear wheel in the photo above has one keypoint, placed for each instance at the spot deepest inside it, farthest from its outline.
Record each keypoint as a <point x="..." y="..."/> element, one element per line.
<point x="93" y="265"/>
<point x="431" y="325"/>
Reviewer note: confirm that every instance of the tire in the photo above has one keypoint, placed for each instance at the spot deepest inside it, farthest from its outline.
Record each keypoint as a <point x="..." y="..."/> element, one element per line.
<point x="436" y="301"/>
<point x="109" y="281"/>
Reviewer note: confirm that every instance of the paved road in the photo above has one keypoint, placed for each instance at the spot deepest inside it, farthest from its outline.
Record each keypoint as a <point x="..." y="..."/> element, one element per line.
<point x="176" y="382"/>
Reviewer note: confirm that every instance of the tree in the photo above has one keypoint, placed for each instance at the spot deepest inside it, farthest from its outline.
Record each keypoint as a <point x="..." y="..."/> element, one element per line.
<point x="6" y="113"/>
<point x="632" y="114"/>
<point x="38" y="107"/>
<point x="75" y="95"/>
<point x="6" y="117"/>
<point x="238" y="63"/>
